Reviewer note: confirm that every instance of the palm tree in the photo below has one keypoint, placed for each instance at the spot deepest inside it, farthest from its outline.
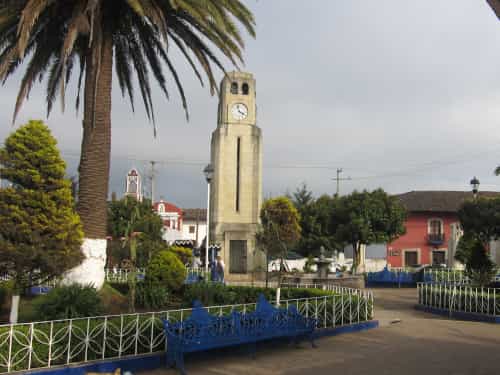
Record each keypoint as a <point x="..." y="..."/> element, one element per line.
<point x="497" y="171"/>
<point x="495" y="5"/>
<point x="51" y="38"/>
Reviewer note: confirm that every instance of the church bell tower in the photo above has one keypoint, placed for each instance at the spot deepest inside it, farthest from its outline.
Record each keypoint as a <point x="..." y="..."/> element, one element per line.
<point x="236" y="188"/>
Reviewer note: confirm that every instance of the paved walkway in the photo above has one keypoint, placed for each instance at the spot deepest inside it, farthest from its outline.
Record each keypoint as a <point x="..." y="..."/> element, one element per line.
<point x="407" y="343"/>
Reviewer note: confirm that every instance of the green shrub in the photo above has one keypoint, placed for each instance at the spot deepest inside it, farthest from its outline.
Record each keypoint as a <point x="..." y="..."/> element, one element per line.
<point x="151" y="296"/>
<point x="184" y="254"/>
<point x="5" y="292"/>
<point x="113" y="300"/>
<point x="69" y="301"/>
<point x="219" y="294"/>
<point x="120" y="287"/>
<point x="165" y="269"/>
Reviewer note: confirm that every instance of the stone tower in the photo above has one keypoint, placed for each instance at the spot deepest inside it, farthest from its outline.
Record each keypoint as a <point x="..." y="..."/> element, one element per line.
<point x="236" y="189"/>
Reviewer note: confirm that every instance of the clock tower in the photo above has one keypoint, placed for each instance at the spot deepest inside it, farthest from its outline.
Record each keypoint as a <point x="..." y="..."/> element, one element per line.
<point x="236" y="188"/>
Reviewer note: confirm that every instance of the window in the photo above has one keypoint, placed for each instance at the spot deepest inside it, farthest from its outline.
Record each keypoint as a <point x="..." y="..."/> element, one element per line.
<point x="167" y="223"/>
<point x="435" y="226"/>
<point x="244" y="89"/>
<point x="192" y="229"/>
<point x="439" y="257"/>
<point x="234" y="88"/>
<point x="411" y="258"/>
<point x="161" y="207"/>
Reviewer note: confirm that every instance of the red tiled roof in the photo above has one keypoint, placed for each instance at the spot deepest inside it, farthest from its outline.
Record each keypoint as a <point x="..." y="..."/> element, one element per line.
<point x="439" y="201"/>
<point x="169" y="207"/>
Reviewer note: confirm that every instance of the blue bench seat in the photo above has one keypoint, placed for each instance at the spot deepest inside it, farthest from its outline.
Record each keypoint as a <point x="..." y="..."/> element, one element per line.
<point x="202" y="331"/>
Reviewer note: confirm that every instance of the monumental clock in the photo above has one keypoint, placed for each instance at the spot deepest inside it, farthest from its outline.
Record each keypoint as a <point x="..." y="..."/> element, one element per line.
<point x="236" y="190"/>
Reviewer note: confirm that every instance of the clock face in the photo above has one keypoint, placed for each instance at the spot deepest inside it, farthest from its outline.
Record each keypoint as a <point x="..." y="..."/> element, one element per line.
<point x="239" y="111"/>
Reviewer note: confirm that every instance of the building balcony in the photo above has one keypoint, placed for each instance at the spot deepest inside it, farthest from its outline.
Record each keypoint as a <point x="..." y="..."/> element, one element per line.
<point x="435" y="239"/>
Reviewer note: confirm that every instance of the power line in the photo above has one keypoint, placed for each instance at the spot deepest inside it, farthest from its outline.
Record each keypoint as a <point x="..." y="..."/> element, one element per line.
<point x="408" y="171"/>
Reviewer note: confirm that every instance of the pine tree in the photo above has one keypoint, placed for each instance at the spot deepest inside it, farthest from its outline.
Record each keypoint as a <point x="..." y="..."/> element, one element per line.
<point x="40" y="232"/>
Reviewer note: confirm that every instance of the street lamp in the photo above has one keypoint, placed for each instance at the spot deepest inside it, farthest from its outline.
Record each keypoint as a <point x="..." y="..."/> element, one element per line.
<point x="209" y="174"/>
<point x="474" y="183"/>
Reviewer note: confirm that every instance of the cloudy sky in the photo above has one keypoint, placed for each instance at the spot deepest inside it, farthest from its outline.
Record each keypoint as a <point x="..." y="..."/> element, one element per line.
<point x="403" y="95"/>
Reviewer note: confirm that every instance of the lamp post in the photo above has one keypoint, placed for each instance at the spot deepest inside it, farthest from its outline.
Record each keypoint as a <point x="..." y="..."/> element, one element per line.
<point x="209" y="174"/>
<point x="474" y="183"/>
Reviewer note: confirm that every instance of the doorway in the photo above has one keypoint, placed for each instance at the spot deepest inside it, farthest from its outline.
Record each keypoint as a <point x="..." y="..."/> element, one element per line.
<point x="238" y="256"/>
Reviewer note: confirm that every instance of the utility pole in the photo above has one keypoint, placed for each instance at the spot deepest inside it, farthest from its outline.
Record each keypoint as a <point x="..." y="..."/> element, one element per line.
<point x="152" y="181"/>
<point x="338" y="179"/>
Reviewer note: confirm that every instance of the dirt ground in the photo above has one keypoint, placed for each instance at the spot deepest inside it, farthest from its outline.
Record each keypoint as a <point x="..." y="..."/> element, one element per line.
<point x="408" y="342"/>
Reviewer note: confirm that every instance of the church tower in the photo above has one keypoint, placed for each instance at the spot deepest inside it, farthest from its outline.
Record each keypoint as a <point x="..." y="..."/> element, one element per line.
<point x="133" y="185"/>
<point x="236" y="188"/>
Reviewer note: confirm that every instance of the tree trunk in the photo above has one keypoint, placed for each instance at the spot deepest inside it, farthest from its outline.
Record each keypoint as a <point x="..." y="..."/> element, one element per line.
<point x="95" y="161"/>
<point x="355" y="257"/>
<point x="96" y="142"/>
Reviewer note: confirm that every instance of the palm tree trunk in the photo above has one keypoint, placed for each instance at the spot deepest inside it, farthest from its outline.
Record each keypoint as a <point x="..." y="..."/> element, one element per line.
<point x="95" y="161"/>
<point x="96" y="142"/>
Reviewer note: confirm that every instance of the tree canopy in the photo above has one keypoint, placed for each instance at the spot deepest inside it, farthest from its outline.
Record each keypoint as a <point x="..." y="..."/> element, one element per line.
<point x="363" y="218"/>
<point x="480" y="221"/>
<point x="40" y="233"/>
<point x="127" y="216"/>
<point x="121" y="222"/>
<point x="316" y="224"/>
<point x="481" y="218"/>
<point x="280" y="228"/>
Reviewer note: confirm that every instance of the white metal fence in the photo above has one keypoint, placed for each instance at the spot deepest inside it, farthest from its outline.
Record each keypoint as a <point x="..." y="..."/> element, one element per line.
<point x="27" y="346"/>
<point x="448" y="276"/>
<point x="120" y="275"/>
<point x="460" y="298"/>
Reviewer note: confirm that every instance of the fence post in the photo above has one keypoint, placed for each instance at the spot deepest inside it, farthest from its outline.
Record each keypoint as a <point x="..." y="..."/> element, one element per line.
<point x="87" y="339"/>
<point x="359" y="298"/>
<point x="350" y="308"/>
<point x="494" y="302"/>
<point x="68" y="357"/>
<point x="325" y="307"/>
<point x="104" y="336"/>
<point x="151" y="336"/>
<point x="342" y="308"/>
<point x="121" y="337"/>
<point x="487" y="301"/>
<point x="51" y="333"/>
<point x="32" y="327"/>
<point x="136" y="333"/>
<point x="334" y="310"/>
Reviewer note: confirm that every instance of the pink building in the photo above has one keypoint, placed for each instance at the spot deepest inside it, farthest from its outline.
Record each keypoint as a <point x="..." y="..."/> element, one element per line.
<point x="432" y="228"/>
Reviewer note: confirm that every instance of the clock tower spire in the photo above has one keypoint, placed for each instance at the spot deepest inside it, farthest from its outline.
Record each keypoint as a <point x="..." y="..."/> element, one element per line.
<point x="236" y="190"/>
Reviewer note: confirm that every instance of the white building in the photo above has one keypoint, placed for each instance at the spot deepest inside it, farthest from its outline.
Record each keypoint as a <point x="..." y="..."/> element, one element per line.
<point x="171" y="216"/>
<point x="194" y="225"/>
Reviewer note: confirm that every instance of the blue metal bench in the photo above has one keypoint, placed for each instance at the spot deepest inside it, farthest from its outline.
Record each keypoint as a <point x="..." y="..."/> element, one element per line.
<point x="202" y="331"/>
<point x="390" y="277"/>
